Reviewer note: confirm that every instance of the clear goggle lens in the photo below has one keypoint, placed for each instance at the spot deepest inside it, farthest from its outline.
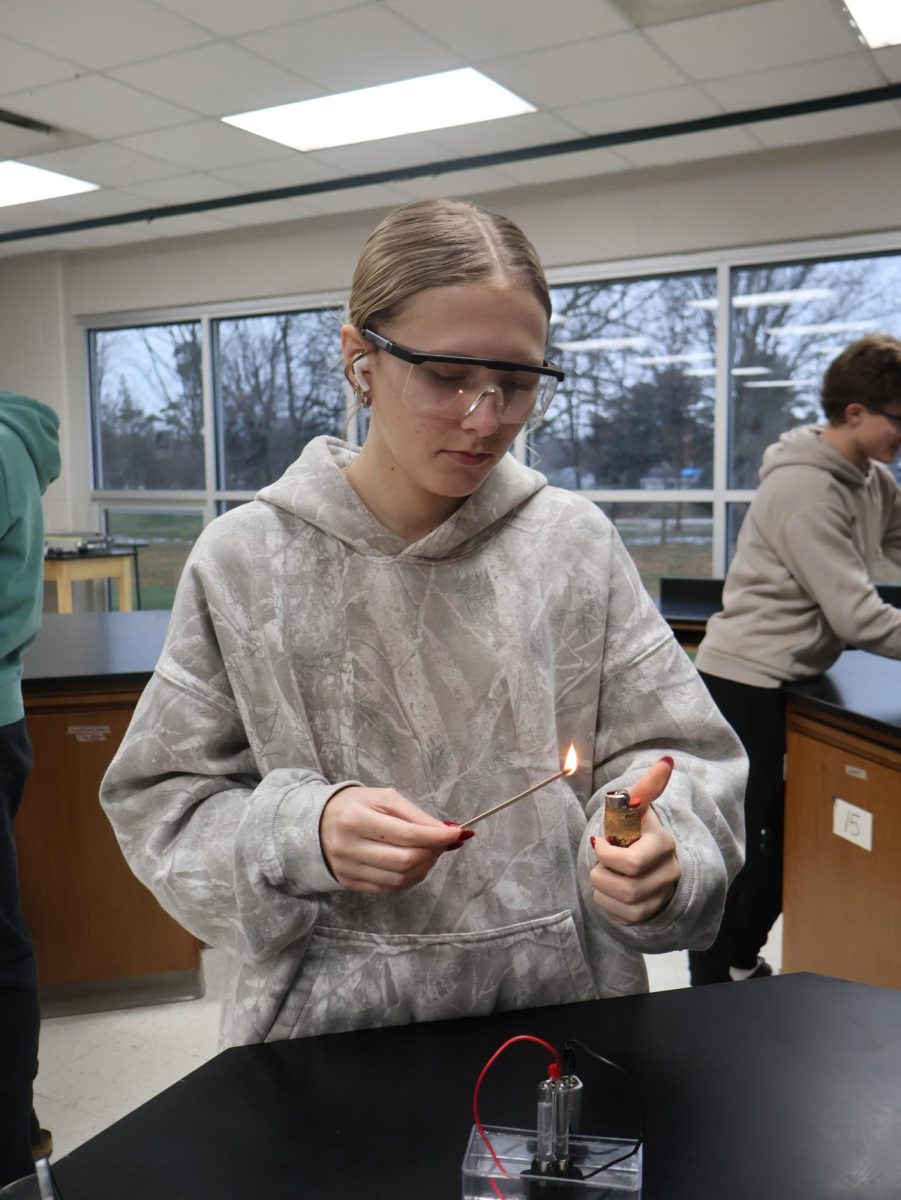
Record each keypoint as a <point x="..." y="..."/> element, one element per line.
<point x="452" y="391"/>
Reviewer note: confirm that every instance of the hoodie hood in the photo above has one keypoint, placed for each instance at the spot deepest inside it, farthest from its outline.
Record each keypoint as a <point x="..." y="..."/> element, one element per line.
<point x="314" y="489"/>
<point x="803" y="447"/>
<point x="37" y="427"/>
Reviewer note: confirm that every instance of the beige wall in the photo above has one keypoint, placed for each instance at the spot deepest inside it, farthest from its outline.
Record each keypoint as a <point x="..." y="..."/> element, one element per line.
<point x="819" y="191"/>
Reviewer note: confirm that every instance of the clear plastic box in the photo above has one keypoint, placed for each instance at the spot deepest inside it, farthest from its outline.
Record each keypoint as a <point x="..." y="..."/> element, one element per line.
<point x="515" y="1149"/>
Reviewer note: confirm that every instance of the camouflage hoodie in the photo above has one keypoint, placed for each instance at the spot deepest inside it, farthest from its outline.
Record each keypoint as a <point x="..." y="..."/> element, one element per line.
<point x="29" y="462"/>
<point x="798" y="590"/>
<point x="309" y="647"/>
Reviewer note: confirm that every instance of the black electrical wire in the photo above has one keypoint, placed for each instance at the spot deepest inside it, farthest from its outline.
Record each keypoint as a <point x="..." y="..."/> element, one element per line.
<point x="568" y="1057"/>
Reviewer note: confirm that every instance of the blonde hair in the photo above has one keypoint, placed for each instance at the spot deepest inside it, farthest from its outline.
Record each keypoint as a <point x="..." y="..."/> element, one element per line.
<point x="439" y="243"/>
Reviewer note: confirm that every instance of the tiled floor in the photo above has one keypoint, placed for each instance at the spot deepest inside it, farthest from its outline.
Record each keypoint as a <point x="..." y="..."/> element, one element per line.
<point x="98" y="1067"/>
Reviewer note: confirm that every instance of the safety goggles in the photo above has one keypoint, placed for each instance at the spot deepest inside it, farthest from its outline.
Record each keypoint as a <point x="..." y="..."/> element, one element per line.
<point x="453" y="385"/>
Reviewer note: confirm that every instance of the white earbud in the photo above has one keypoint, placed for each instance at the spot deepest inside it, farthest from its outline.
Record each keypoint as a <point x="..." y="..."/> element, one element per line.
<point x="361" y="387"/>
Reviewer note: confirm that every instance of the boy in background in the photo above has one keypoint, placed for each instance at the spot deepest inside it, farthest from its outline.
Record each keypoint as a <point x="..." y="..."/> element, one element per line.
<point x="798" y="591"/>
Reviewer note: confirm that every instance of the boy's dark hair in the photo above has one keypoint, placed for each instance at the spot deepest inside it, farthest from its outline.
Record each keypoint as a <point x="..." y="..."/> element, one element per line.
<point x="867" y="372"/>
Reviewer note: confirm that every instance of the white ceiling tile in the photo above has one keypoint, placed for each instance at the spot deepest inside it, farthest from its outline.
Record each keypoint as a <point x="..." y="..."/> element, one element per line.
<point x="99" y="33"/>
<point x="581" y="164"/>
<point x="183" y="189"/>
<point x="464" y="184"/>
<point x="757" y="38"/>
<point x="218" y="80"/>
<point x="620" y="65"/>
<point x="105" y="202"/>
<point x="506" y="133"/>
<point x="22" y="67"/>
<point x="17" y="143"/>
<point x="97" y="106"/>
<point x="104" y="163"/>
<point x="713" y="143"/>
<point x="686" y="103"/>
<point x="889" y="60"/>
<point x="477" y="30"/>
<point x="822" y="127"/>
<point x="804" y="81"/>
<point x="18" y="216"/>
<point x="289" y="171"/>
<point x="232" y="17"/>
<point x="354" y="49"/>
<point x="377" y="195"/>
<point x="203" y="145"/>
<point x="386" y="154"/>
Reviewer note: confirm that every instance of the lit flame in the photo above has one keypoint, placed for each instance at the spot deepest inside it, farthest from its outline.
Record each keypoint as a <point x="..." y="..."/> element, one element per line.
<point x="571" y="762"/>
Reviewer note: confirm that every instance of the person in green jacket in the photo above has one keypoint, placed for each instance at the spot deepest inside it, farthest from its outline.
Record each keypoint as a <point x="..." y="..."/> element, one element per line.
<point x="29" y="461"/>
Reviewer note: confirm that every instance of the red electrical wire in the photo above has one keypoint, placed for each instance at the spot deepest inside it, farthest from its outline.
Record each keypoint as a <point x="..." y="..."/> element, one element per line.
<point x="553" y="1069"/>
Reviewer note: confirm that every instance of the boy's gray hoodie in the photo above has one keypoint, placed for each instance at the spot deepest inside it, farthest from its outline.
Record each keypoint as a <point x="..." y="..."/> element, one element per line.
<point x="799" y="589"/>
<point x="310" y="647"/>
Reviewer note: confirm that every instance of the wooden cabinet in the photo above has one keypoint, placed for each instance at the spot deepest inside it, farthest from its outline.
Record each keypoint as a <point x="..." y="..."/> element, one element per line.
<point x="98" y="932"/>
<point x="842" y="902"/>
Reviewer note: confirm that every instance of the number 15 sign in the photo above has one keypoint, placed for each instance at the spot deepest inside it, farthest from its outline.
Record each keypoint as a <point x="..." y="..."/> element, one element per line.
<point x="852" y="823"/>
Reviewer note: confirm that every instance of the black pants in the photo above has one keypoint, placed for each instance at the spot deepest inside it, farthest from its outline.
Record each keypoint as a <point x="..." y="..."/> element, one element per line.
<point x="755" y="899"/>
<point x="20" y="1018"/>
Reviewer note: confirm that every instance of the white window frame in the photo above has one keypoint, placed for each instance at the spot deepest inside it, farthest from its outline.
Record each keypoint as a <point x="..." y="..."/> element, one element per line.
<point x="208" y="500"/>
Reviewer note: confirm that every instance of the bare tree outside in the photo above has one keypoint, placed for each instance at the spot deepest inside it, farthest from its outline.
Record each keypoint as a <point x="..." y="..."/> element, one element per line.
<point x="148" y="397"/>
<point x="788" y="322"/>
<point x="278" y="385"/>
<point x="636" y="408"/>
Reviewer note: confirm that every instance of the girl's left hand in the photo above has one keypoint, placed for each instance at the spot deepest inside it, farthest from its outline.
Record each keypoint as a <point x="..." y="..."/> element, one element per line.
<point x="633" y="883"/>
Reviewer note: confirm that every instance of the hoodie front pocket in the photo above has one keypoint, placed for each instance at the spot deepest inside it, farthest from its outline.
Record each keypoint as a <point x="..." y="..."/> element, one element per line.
<point x="354" y="980"/>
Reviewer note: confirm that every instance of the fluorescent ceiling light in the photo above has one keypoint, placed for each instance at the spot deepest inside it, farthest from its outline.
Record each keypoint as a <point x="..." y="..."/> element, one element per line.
<point x="830" y="327"/>
<point x="735" y="371"/>
<point x="760" y="299"/>
<point x="22" y="184"/>
<point x="460" y="97"/>
<point x="660" y="360"/>
<point x="781" y="383"/>
<point x="878" y="21"/>
<point x="622" y="343"/>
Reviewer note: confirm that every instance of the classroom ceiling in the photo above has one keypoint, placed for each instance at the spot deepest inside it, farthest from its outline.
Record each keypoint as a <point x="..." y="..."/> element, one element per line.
<point x="132" y="91"/>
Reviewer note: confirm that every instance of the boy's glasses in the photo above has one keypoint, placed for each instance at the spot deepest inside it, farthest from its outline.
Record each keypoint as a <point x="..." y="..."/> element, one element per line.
<point x="893" y="418"/>
<point x="453" y="386"/>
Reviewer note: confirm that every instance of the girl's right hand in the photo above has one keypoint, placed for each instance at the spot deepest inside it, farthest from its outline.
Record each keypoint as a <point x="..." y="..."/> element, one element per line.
<point x="375" y="840"/>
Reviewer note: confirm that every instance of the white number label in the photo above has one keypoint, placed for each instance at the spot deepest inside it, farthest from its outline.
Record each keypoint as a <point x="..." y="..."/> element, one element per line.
<point x="855" y="772"/>
<point x="852" y="823"/>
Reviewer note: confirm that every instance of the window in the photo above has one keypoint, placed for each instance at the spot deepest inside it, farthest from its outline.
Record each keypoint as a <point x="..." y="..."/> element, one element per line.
<point x="665" y="539"/>
<point x="169" y="537"/>
<point x="636" y="408"/>
<point x="279" y="384"/>
<point x="679" y="375"/>
<point x="788" y="321"/>
<point x="147" y="395"/>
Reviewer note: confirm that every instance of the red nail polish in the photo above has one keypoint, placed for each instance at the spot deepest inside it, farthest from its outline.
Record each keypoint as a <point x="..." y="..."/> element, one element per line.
<point x="467" y="834"/>
<point x="450" y="822"/>
<point x="455" y="845"/>
<point x="593" y="842"/>
<point x="668" y="758"/>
